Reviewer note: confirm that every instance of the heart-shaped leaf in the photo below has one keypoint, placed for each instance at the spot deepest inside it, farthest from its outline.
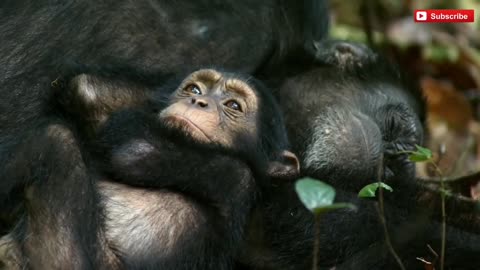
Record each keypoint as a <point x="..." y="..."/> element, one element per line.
<point x="314" y="193"/>
<point x="318" y="196"/>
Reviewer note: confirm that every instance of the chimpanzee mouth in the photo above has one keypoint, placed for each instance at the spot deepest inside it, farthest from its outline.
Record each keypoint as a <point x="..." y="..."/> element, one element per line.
<point x="186" y="127"/>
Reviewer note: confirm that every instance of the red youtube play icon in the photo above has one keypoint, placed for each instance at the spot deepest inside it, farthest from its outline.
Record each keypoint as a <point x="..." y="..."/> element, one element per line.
<point x="420" y="15"/>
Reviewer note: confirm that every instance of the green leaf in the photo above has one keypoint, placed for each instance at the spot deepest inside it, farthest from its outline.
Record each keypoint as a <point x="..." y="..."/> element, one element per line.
<point x="446" y="192"/>
<point x="314" y="194"/>
<point x="440" y="53"/>
<point x="318" y="196"/>
<point x="368" y="191"/>
<point x="420" y="155"/>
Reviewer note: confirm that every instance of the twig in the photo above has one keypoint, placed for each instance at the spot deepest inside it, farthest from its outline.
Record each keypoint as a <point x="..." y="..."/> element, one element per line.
<point x="444" y="216"/>
<point x="316" y="242"/>
<point x="381" y="213"/>
<point x="433" y="252"/>
<point x="472" y="178"/>
<point x="457" y="197"/>
<point x="460" y="185"/>
<point x="366" y="11"/>
<point x="466" y="51"/>
<point x="475" y="74"/>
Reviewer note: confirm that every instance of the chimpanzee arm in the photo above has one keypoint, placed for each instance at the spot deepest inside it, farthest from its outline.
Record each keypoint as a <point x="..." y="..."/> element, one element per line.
<point x="89" y="99"/>
<point x="170" y="229"/>
<point x="64" y="229"/>
<point x="199" y="214"/>
<point x="61" y="228"/>
<point x="133" y="150"/>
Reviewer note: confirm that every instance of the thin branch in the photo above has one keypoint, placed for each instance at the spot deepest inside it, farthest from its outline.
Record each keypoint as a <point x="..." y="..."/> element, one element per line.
<point x="316" y="243"/>
<point x="366" y="12"/>
<point x="472" y="178"/>
<point x="433" y="252"/>
<point x="381" y="213"/>
<point x="444" y="217"/>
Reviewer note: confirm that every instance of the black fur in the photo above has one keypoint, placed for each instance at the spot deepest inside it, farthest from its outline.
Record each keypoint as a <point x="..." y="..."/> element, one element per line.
<point x="371" y="112"/>
<point x="349" y="115"/>
<point x="40" y="146"/>
<point x="197" y="216"/>
<point x="161" y="199"/>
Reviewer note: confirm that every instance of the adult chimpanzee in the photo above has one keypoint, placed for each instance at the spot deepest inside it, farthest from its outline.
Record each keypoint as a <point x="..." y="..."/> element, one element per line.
<point x="181" y="178"/>
<point x="41" y="38"/>
<point x="153" y="37"/>
<point x="347" y="117"/>
<point x="357" y="112"/>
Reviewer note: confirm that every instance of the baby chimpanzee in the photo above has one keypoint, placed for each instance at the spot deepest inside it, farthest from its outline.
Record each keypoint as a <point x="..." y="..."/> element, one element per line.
<point x="177" y="181"/>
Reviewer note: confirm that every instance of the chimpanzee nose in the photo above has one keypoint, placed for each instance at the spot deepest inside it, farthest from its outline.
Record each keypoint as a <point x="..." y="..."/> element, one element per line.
<point x="200" y="102"/>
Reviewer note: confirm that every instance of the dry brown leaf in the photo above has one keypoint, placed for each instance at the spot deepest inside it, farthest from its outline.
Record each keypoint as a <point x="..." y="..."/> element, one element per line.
<point x="446" y="104"/>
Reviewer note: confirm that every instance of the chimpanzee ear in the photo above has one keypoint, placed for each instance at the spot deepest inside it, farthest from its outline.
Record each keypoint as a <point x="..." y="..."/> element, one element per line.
<point x="286" y="167"/>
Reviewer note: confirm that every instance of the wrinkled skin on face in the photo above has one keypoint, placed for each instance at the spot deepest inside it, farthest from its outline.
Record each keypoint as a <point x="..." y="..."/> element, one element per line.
<point x="213" y="108"/>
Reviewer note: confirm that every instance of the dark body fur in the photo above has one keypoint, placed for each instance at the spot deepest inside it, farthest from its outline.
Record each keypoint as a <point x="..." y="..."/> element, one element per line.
<point x="357" y="110"/>
<point x="163" y="199"/>
<point x="196" y="219"/>
<point x="163" y="203"/>
<point x="347" y="118"/>
<point x="41" y="148"/>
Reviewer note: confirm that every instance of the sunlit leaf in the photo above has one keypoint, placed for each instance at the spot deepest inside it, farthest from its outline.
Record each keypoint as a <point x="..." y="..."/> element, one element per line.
<point x="420" y="155"/>
<point x="318" y="196"/>
<point x="369" y="190"/>
<point x="314" y="193"/>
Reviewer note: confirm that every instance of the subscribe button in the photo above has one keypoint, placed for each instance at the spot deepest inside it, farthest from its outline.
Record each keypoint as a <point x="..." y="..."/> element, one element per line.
<point x="445" y="16"/>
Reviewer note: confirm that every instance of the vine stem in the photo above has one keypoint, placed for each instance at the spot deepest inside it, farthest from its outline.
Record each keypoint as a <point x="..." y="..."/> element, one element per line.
<point x="444" y="215"/>
<point x="316" y="243"/>
<point x="381" y="214"/>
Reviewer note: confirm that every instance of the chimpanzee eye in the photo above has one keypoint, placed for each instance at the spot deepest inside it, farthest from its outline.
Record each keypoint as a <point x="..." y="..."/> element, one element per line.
<point x="232" y="104"/>
<point x="194" y="89"/>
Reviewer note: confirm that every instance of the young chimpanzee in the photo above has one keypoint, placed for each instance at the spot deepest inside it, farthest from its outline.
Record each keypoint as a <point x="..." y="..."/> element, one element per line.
<point x="177" y="181"/>
<point x="347" y="118"/>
